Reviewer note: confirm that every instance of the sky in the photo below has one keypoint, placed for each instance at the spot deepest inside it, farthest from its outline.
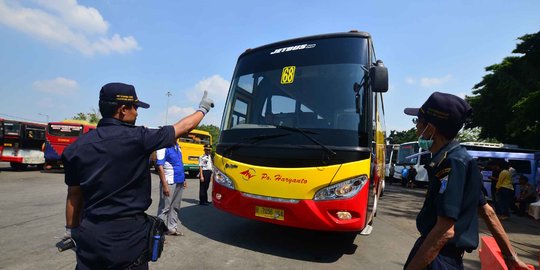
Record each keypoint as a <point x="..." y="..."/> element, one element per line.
<point x="55" y="55"/>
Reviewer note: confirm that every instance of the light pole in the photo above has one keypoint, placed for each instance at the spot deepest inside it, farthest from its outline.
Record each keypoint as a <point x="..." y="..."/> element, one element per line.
<point x="167" y="109"/>
<point x="46" y="116"/>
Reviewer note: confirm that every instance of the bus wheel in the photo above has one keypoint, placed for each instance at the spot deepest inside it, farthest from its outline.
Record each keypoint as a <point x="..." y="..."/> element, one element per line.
<point x="18" y="166"/>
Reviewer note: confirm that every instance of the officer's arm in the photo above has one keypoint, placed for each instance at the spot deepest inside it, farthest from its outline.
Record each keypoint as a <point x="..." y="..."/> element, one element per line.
<point x="73" y="206"/>
<point x="497" y="230"/>
<point x="435" y="240"/>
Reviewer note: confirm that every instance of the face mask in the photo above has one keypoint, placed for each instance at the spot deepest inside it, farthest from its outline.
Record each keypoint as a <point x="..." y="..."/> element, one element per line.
<point x="425" y="143"/>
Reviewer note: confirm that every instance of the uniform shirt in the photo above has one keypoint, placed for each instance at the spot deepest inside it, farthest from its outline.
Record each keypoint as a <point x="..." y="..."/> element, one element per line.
<point x="110" y="164"/>
<point x="454" y="191"/>
<point x="171" y="160"/>
<point x="205" y="161"/>
<point x="505" y="180"/>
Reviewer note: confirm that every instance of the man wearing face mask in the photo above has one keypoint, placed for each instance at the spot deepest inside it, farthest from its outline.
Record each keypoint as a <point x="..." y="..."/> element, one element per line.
<point x="448" y="220"/>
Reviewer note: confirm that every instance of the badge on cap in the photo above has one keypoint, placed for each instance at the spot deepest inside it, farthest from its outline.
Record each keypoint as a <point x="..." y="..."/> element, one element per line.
<point x="444" y="182"/>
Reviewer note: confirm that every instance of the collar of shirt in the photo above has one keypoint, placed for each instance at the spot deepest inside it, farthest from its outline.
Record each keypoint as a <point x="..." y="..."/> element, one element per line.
<point x="441" y="154"/>
<point x="109" y="121"/>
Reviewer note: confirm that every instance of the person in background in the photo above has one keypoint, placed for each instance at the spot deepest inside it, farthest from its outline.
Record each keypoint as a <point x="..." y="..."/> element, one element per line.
<point x="205" y="174"/>
<point x="171" y="173"/>
<point x="527" y="195"/>
<point x="495" y="170"/>
<point x="505" y="191"/>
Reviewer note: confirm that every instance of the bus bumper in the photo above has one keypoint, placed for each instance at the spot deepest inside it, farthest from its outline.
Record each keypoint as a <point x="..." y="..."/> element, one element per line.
<point x="307" y="214"/>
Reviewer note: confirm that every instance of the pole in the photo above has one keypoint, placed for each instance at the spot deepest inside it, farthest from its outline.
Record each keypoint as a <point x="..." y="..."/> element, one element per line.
<point x="167" y="109"/>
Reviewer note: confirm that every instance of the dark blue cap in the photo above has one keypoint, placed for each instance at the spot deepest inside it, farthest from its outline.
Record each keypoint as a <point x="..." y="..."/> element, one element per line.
<point x="121" y="93"/>
<point x="445" y="111"/>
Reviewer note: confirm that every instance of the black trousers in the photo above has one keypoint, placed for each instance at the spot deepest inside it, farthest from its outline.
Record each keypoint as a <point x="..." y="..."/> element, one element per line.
<point x="449" y="258"/>
<point x="203" y="186"/>
<point x="112" y="244"/>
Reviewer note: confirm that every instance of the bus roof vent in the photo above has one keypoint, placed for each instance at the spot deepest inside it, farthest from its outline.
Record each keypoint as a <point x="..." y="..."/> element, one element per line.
<point x="492" y="145"/>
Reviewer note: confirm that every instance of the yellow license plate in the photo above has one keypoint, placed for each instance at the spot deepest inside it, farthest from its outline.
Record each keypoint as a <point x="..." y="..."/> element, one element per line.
<point x="271" y="213"/>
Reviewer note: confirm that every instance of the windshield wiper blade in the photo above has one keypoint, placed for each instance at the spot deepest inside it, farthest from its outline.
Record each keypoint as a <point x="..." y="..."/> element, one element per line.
<point x="254" y="139"/>
<point x="305" y="133"/>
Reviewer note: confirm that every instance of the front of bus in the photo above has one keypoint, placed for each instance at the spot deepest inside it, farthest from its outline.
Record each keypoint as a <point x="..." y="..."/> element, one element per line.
<point x="59" y="135"/>
<point x="295" y="147"/>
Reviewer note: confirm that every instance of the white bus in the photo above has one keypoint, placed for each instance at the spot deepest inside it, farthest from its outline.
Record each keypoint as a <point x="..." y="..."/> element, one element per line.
<point x="523" y="161"/>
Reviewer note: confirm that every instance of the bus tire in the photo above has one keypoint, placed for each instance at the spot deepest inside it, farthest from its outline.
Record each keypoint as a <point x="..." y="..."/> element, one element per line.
<point x="18" y="166"/>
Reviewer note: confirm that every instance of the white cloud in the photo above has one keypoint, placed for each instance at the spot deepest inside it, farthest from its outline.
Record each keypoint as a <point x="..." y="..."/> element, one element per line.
<point x="410" y="80"/>
<point x="216" y="86"/>
<point x="68" y="23"/>
<point x="432" y="82"/>
<point x="59" y="86"/>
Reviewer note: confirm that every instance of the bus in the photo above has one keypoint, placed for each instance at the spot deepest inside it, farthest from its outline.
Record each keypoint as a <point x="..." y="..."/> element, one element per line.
<point x="302" y="140"/>
<point x="59" y="135"/>
<point x="523" y="161"/>
<point x="192" y="146"/>
<point x="410" y="154"/>
<point x="20" y="143"/>
<point x="391" y="159"/>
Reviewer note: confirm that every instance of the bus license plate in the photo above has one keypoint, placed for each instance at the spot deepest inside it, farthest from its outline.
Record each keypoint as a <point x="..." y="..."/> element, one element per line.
<point x="271" y="213"/>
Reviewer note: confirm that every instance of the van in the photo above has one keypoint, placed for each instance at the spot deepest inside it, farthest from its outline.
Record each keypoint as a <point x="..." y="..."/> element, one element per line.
<point x="410" y="154"/>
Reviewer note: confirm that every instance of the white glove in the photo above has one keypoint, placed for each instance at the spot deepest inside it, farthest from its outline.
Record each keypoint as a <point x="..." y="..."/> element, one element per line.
<point x="206" y="103"/>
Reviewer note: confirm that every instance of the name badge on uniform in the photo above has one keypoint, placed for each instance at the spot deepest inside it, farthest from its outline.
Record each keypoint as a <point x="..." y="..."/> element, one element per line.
<point x="444" y="182"/>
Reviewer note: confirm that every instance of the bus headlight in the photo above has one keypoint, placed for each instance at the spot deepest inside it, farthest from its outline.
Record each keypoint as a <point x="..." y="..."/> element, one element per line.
<point x="222" y="179"/>
<point x="343" y="190"/>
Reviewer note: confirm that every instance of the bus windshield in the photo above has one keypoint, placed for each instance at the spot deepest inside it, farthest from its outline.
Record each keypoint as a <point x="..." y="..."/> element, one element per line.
<point x="64" y="130"/>
<point x="300" y="86"/>
<point x="195" y="138"/>
<point x="406" y="150"/>
<point x="12" y="129"/>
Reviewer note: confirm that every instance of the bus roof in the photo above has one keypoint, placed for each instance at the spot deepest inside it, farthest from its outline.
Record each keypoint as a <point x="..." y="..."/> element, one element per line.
<point x="352" y="33"/>
<point x="72" y="121"/>
<point x="198" y="131"/>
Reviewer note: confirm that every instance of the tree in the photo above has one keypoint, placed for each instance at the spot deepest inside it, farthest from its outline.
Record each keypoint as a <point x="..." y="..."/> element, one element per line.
<point x="214" y="131"/>
<point x="399" y="137"/>
<point x="506" y="101"/>
<point x="92" y="117"/>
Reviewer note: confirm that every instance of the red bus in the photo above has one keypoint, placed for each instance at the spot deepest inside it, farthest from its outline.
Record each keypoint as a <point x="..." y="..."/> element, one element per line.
<point x="58" y="136"/>
<point x="20" y="143"/>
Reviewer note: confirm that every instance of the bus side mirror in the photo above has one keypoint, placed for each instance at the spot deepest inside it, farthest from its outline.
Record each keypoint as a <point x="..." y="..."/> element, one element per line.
<point x="379" y="77"/>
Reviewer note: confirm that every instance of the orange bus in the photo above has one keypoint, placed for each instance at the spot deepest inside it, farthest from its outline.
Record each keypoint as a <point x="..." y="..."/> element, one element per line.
<point x="58" y="136"/>
<point x="20" y="143"/>
<point x="302" y="139"/>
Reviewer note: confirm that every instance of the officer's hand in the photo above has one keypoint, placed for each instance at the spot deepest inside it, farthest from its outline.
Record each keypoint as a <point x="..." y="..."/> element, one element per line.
<point x="70" y="233"/>
<point x="185" y="184"/>
<point x="166" y="192"/>
<point x="206" y="103"/>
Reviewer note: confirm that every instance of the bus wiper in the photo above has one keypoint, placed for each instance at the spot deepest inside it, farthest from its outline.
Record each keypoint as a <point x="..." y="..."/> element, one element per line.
<point x="254" y="139"/>
<point x="305" y="133"/>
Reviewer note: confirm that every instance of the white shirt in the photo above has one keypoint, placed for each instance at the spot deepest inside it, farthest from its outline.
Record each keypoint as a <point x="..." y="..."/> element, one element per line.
<point x="205" y="161"/>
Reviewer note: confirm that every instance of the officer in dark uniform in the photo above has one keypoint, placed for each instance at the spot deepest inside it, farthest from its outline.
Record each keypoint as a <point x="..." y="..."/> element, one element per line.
<point x="108" y="180"/>
<point x="448" y="220"/>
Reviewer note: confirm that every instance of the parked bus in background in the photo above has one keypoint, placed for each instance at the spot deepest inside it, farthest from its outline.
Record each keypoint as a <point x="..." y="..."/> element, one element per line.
<point x="302" y="139"/>
<point x="59" y="135"/>
<point x="192" y="146"/>
<point x="523" y="161"/>
<point x="20" y="143"/>
<point x="391" y="159"/>
<point x="410" y="154"/>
